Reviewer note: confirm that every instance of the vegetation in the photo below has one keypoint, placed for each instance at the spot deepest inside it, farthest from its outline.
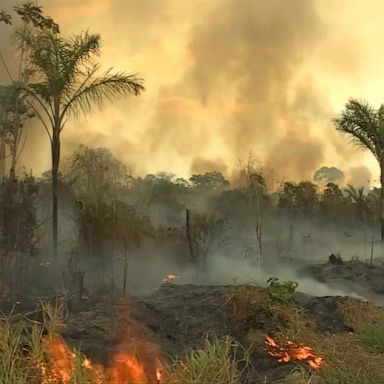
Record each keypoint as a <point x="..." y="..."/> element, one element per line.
<point x="112" y="217"/>
<point x="63" y="81"/>
<point x="25" y="352"/>
<point x="281" y="292"/>
<point x="373" y="336"/>
<point x="349" y="357"/>
<point x="217" y="362"/>
<point x="364" y="125"/>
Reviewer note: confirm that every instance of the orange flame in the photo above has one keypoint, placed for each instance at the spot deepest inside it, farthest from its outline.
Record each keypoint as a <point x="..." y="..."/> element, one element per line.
<point x="291" y="351"/>
<point x="125" y="368"/>
<point x="62" y="361"/>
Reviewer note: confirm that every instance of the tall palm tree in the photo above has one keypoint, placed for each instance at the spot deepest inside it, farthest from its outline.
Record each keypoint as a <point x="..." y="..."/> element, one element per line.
<point x="365" y="126"/>
<point x="64" y="81"/>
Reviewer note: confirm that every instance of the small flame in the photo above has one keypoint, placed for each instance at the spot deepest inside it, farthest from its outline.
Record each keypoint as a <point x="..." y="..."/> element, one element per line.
<point x="170" y="277"/>
<point x="291" y="351"/>
<point x="159" y="372"/>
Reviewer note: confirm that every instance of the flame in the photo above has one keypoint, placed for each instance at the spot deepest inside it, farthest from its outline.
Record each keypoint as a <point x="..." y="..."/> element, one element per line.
<point x="291" y="351"/>
<point x="124" y="368"/>
<point x="159" y="372"/>
<point x="62" y="361"/>
<point x="127" y="369"/>
<point x="170" y="277"/>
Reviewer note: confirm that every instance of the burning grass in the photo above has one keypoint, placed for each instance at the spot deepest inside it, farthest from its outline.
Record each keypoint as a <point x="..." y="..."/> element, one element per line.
<point x="276" y="342"/>
<point x="34" y="353"/>
<point x="292" y="337"/>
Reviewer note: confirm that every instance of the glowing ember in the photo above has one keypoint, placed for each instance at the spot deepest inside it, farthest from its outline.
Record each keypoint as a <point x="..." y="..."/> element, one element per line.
<point x="45" y="264"/>
<point x="159" y="373"/>
<point x="170" y="278"/>
<point x="292" y="351"/>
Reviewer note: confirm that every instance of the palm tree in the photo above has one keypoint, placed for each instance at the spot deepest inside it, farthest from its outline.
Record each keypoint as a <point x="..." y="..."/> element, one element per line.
<point x="365" y="126"/>
<point x="64" y="81"/>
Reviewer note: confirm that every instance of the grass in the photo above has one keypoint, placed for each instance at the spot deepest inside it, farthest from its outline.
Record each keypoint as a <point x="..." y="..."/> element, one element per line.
<point x="373" y="336"/>
<point x="13" y="369"/>
<point x="216" y="363"/>
<point x="25" y="356"/>
<point x="349" y="357"/>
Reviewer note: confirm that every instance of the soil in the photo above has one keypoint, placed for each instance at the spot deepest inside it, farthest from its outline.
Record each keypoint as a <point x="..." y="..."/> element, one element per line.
<point x="350" y="276"/>
<point x="178" y="318"/>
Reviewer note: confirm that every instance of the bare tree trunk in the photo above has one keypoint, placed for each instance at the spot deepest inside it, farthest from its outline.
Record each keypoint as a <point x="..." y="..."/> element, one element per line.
<point x="55" y="169"/>
<point x="189" y="236"/>
<point x="125" y="266"/>
<point x="382" y="201"/>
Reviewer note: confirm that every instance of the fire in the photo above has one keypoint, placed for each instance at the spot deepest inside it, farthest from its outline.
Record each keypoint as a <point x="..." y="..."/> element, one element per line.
<point x="62" y="361"/>
<point x="292" y="351"/>
<point x="170" y="277"/>
<point x="63" y="365"/>
<point x="127" y="369"/>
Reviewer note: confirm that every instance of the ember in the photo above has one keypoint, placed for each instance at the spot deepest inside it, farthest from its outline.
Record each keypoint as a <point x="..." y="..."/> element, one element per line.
<point x="170" y="278"/>
<point x="292" y="351"/>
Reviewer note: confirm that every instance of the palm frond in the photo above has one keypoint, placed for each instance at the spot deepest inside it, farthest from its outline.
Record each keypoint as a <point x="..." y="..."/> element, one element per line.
<point x="82" y="48"/>
<point x="362" y="123"/>
<point x="106" y="87"/>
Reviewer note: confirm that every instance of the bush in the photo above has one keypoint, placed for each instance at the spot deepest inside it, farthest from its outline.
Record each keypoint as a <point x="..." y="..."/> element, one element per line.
<point x="281" y="292"/>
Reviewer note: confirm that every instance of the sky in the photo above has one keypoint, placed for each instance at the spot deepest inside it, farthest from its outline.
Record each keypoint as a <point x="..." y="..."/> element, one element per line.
<point x="225" y="80"/>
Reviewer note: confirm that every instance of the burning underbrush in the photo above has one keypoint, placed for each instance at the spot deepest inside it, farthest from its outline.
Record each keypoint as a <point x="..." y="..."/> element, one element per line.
<point x="34" y="352"/>
<point x="303" y="337"/>
<point x="255" y="336"/>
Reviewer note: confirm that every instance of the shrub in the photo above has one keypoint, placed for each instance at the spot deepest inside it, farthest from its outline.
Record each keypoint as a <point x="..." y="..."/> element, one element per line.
<point x="281" y="292"/>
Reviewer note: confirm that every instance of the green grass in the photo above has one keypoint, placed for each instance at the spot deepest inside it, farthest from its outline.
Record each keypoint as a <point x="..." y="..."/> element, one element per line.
<point x="13" y="369"/>
<point x="215" y="363"/>
<point x="373" y="336"/>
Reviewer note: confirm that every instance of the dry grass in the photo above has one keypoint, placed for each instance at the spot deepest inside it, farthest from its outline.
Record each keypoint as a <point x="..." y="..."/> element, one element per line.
<point x="358" y="314"/>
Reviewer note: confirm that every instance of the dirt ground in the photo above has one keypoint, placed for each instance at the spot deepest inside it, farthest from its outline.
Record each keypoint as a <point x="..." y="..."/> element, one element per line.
<point x="175" y="319"/>
<point x="178" y="318"/>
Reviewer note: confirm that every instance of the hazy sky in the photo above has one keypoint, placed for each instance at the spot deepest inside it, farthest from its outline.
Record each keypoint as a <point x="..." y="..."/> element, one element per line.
<point x="226" y="77"/>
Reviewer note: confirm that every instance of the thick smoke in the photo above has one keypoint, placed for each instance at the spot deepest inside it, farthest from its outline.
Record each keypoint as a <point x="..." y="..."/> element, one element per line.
<point x="222" y="79"/>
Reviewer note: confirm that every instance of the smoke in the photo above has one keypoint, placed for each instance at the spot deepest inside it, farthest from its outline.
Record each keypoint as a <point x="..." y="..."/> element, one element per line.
<point x="230" y="78"/>
<point x="202" y="165"/>
<point x="359" y="176"/>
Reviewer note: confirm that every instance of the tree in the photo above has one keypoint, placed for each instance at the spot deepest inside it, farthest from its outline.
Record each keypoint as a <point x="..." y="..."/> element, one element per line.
<point x="13" y="113"/>
<point x="209" y="181"/>
<point x="365" y="126"/>
<point x="358" y="200"/>
<point x="64" y="81"/>
<point x="328" y="174"/>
